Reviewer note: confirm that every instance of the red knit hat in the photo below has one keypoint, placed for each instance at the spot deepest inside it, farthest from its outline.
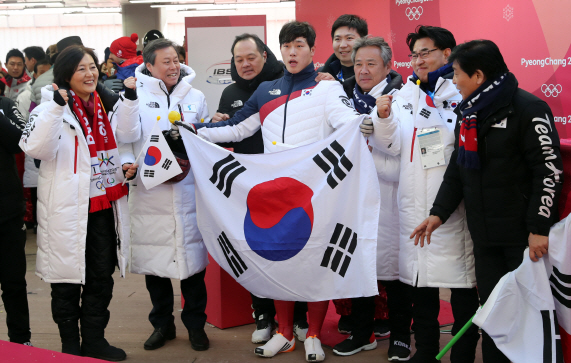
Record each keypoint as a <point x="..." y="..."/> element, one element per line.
<point x="125" y="47"/>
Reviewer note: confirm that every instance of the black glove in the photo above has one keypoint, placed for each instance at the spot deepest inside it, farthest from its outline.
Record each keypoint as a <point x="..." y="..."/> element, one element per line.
<point x="116" y="85"/>
<point x="59" y="99"/>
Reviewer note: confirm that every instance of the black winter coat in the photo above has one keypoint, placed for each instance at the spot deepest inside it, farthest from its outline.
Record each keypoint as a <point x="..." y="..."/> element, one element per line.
<point x="333" y="66"/>
<point x="11" y="194"/>
<point x="517" y="187"/>
<point x="235" y="96"/>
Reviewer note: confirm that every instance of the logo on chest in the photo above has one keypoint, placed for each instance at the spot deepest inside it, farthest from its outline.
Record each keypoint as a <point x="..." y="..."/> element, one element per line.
<point x="153" y="105"/>
<point x="237" y="103"/>
<point x="276" y="92"/>
<point x="306" y="92"/>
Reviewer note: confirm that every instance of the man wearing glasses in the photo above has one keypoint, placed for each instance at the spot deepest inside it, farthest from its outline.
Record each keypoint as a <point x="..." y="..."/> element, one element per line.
<point x="418" y="124"/>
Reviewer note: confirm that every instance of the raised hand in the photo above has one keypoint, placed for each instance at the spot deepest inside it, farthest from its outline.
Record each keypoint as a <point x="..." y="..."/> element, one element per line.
<point x="62" y="92"/>
<point x="130" y="82"/>
<point x="384" y="106"/>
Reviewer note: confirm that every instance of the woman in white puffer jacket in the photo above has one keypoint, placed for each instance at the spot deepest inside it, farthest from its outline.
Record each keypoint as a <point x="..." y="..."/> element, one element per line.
<point x="82" y="209"/>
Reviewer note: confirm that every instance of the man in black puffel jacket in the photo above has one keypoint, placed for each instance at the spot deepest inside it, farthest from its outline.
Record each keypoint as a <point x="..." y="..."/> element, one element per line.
<point x="507" y="167"/>
<point x="13" y="239"/>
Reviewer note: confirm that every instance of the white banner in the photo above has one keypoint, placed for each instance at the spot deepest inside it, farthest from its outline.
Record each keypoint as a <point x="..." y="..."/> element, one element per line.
<point x="297" y="225"/>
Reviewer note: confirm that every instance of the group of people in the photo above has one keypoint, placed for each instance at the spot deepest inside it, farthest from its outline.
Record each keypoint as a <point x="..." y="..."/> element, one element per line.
<point x="467" y="162"/>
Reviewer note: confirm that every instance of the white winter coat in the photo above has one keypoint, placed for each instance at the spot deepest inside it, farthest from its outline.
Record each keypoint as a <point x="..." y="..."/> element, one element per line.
<point x="53" y="134"/>
<point x="165" y="240"/>
<point x="448" y="261"/>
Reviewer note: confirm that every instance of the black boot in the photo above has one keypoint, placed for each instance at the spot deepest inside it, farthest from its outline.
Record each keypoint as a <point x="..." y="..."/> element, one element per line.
<point x="94" y="345"/>
<point x="198" y="339"/>
<point x="69" y="333"/>
<point x="161" y="335"/>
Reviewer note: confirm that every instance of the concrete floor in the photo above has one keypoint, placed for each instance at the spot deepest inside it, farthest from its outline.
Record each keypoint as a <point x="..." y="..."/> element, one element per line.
<point x="129" y="328"/>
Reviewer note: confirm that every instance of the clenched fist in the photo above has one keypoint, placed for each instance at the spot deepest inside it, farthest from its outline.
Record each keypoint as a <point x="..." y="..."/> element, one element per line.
<point x="384" y="106"/>
<point x="130" y="82"/>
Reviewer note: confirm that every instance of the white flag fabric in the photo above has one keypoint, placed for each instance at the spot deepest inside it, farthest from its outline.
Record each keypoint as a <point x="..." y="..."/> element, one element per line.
<point x="159" y="163"/>
<point x="520" y="315"/>
<point x="297" y="225"/>
<point x="559" y="271"/>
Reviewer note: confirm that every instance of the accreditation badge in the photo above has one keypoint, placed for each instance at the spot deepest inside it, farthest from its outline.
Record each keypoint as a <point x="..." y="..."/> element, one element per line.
<point x="431" y="147"/>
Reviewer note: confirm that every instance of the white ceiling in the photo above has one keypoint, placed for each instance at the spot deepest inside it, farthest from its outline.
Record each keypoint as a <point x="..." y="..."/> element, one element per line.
<point x="20" y="4"/>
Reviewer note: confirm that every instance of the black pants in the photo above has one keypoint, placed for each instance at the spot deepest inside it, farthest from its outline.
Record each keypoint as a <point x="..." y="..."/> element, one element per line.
<point x="492" y="263"/>
<point x="13" y="279"/>
<point x="100" y="262"/>
<point x="426" y="307"/>
<point x="399" y="301"/>
<point x="193" y="290"/>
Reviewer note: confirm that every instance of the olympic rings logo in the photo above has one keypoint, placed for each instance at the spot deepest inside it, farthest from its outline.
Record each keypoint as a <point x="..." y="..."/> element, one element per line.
<point x="100" y="185"/>
<point x="413" y="13"/>
<point x="551" y="90"/>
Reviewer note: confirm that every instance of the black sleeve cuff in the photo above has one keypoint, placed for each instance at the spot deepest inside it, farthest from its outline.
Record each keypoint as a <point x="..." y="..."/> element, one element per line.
<point x="436" y="211"/>
<point x="130" y="94"/>
<point x="58" y="98"/>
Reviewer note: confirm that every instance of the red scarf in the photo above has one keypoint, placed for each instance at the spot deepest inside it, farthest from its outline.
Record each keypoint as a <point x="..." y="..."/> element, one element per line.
<point x="106" y="172"/>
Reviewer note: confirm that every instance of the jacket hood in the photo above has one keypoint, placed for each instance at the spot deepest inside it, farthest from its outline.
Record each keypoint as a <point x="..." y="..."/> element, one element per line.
<point x="273" y="69"/>
<point x="146" y="80"/>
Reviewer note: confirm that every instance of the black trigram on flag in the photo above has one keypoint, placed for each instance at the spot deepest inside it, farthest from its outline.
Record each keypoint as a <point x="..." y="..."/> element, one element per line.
<point x="552" y="348"/>
<point x="332" y="160"/>
<point x="425" y="113"/>
<point x="149" y="173"/>
<point x="236" y="263"/>
<point x="167" y="164"/>
<point x="154" y="138"/>
<point x="341" y="247"/>
<point x="559" y="289"/>
<point x="224" y="172"/>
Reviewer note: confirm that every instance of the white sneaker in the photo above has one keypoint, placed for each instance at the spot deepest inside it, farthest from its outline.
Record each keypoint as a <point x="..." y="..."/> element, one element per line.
<point x="278" y="344"/>
<point x="300" y="331"/>
<point x="313" y="350"/>
<point x="265" y="327"/>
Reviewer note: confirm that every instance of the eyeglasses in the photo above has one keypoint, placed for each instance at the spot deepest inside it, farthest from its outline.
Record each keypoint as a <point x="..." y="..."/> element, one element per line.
<point x="422" y="54"/>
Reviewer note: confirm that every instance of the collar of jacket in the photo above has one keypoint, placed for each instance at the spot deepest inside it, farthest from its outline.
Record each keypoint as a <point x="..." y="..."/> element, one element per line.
<point x="301" y="75"/>
<point x="332" y="66"/>
<point x="395" y="82"/>
<point x="445" y="72"/>
<point x="273" y="69"/>
<point x="151" y="84"/>
<point x="501" y="108"/>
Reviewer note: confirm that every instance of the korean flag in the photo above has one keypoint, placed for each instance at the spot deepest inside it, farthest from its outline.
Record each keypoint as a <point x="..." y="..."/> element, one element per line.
<point x="159" y="163"/>
<point x="299" y="224"/>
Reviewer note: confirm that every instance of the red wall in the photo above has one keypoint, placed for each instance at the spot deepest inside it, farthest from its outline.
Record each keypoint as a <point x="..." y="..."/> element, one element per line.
<point x="527" y="32"/>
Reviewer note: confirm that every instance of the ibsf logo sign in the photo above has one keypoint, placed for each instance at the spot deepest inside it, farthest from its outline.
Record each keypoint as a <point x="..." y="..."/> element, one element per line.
<point x="551" y="90"/>
<point x="219" y="73"/>
<point x="413" y="13"/>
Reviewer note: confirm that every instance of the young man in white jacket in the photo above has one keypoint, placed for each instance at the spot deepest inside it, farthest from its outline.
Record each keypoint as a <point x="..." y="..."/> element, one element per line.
<point x="292" y="111"/>
<point x="418" y="124"/>
<point x="166" y="242"/>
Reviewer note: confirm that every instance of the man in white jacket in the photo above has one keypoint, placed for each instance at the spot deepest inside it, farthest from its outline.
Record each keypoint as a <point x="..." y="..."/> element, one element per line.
<point x="373" y="78"/>
<point x="166" y="242"/>
<point x="418" y="124"/>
